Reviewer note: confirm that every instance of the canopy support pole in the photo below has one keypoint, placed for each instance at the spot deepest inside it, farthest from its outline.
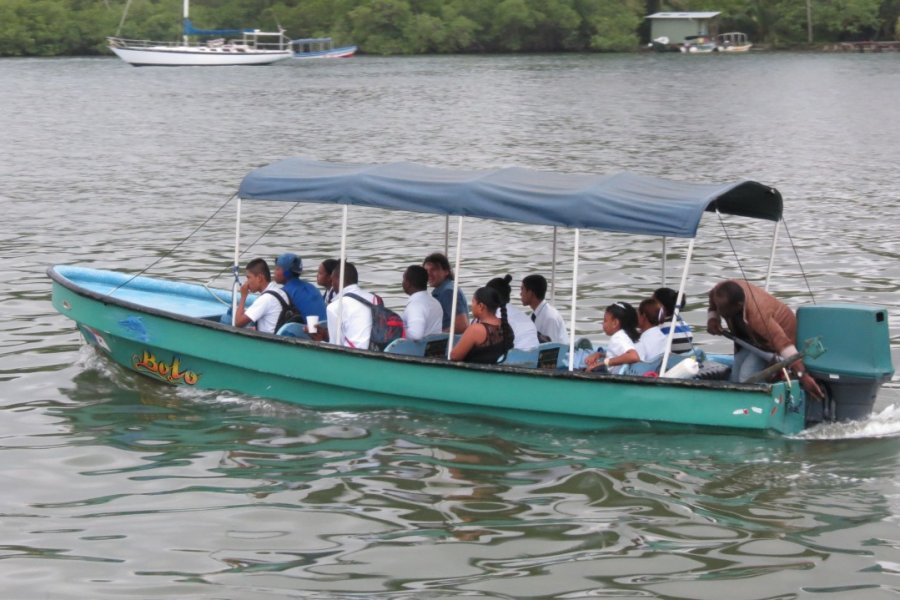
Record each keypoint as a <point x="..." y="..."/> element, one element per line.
<point x="664" y="257"/>
<point x="446" y="234"/>
<point x="553" y="269"/>
<point x="236" y="268"/>
<point x="677" y="312"/>
<point x="574" y="297"/>
<point x="343" y="259"/>
<point x="450" y="334"/>
<point x="772" y="255"/>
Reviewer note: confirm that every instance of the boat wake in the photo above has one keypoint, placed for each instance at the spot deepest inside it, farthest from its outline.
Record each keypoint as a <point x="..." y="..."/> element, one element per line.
<point x="90" y="359"/>
<point x="879" y="425"/>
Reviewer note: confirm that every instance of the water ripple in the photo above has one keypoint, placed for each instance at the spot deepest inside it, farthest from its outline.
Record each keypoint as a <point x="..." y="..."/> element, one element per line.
<point x="118" y="487"/>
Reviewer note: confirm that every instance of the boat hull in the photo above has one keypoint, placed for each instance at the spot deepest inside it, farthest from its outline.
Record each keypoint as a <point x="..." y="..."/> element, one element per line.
<point x="700" y="49"/>
<point x="197" y="56"/>
<point x="735" y="49"/>
<point x="345" y="52"/>
<point x="189" y="350"/>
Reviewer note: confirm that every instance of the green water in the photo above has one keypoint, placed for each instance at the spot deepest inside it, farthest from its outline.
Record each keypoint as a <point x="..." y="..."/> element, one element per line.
<point x="118" y="487"/>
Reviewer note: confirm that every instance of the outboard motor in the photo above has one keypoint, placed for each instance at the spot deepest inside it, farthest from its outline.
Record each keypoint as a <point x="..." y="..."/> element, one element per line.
<point x="856" y="361"/>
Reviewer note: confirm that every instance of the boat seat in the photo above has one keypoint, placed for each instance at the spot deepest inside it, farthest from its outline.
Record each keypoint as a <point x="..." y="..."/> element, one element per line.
<point x="644" y="367"/>
<point x="520" y="358"/>
<point x="709" y="369"/>
<point x="431" y="346"/>
<point x="294" y="330"/>
<point x="552" y="355"/>
<point x="549" y="355"/>
<point x="716" y="367"/>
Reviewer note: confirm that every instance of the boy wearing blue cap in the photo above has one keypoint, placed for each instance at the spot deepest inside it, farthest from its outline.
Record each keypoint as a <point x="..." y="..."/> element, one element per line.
<point x="304" y="296"/>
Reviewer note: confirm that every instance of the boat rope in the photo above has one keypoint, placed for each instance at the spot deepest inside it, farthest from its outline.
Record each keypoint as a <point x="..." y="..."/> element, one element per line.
<point x="799" y="264"/>
<point x="741" y="267"/>
<point x="122" y="20"/>
<point x="175" y="247"/>
<point x="731" y="243"/>
<point x="253" y="243"/>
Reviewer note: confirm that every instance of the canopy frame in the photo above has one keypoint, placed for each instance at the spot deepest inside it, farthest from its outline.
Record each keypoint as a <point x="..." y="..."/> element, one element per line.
<point x="485" y="194"/>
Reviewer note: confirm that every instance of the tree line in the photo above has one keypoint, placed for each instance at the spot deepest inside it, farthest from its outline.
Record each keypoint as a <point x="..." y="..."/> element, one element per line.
<point x="80" y="27"/>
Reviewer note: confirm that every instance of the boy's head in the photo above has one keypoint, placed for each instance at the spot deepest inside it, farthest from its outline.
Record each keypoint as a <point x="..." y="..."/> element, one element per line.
<point x="258" y="275"/>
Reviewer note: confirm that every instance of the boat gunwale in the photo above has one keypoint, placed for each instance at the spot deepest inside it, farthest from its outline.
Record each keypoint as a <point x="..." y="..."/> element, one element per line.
<point x="706" y="384"/>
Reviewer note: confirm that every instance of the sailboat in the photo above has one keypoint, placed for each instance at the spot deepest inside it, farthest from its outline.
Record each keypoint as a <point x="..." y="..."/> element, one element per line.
<point x="254" y="47"/>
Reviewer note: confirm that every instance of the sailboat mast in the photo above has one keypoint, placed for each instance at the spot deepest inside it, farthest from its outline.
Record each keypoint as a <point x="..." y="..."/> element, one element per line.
<point x="185" y="18"/>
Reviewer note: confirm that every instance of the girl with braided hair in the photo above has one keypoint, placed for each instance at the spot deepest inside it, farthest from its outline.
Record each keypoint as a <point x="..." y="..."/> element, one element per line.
<point x="526" y="335"/>
<point x="488" y="338"/>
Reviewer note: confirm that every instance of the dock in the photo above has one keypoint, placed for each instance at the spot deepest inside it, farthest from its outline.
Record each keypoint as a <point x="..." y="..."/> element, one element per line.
<point x="864" y="47"/>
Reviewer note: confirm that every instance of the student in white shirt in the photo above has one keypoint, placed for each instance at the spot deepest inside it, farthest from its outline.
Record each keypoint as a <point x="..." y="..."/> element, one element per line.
<point x="547" y="320"/>
<point x="652" y="343"/>
<point x="266" y="309"/>
<point x="423" y="314"/>
<point x="526" y="335"/>
<point x="355" y="329"/>
<point x="323" y="278"/>
<point x="620" y="324"/>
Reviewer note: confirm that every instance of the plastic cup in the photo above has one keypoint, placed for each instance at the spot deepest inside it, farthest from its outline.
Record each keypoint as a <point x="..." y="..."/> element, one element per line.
<point x="311" y="322"/>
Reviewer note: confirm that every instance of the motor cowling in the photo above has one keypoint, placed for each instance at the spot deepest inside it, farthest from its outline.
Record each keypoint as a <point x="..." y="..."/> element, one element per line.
<point x="856" y="362"/>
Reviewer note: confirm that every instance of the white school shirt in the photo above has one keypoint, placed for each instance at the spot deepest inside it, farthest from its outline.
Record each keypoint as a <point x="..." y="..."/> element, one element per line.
<point x="422" y="316"/>
<point x="523" y="329"/>
<point x="265" y="310"/>
<point x="619" y="344"/>
<point x="651" y="344"/>
<point x="356" y="319"/>
<point x="550" y="323"/>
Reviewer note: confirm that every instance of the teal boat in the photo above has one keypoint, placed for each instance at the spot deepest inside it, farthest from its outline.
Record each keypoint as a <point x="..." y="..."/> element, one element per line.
<point x="172" y="331"/>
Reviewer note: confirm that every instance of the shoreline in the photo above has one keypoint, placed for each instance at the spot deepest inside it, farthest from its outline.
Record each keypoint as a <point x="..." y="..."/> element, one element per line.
<point x="867" y="47"/>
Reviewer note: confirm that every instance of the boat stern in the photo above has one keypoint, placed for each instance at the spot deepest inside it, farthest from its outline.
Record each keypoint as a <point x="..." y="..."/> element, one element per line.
<point x="856" y="362"/>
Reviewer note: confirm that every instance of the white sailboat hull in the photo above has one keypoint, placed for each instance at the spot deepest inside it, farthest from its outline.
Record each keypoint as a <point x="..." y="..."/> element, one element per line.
<point x="198" y="56"/>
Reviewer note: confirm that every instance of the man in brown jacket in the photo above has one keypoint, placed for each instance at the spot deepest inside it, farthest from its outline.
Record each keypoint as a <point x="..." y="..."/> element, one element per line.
<point x="756" y="316"/>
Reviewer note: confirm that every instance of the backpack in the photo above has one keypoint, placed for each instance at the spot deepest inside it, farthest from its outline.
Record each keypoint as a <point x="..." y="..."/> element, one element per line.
<point x="387" y="325"/>
<point x="289" y="312"/>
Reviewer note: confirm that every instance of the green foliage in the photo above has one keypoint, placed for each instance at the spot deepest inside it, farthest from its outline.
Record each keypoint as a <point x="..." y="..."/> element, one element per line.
<point x="513" y="21"/>
<point x="846" y="19"/>
<point x="33" y="28"/>
<point x="612" y="25"/>
<point x="782" y="22"/>
<point x="889" y="20"/>
<point x="381" y="24"/>
<point x="61" y="27"/>
<point x="428" y="34"/>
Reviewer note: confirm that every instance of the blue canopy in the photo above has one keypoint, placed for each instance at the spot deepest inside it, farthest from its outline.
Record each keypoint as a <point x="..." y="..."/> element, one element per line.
<point x="622" y="202"/>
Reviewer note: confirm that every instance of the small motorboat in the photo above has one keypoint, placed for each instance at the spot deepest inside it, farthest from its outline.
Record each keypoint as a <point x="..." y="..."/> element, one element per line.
<point x="173" y="331"/>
